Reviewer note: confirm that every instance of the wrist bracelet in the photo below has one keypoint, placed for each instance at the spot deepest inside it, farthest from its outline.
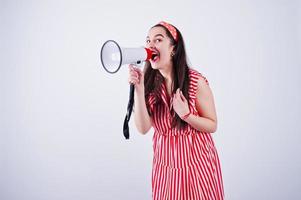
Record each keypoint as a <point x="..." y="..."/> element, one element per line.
<point x="186" y="116"/>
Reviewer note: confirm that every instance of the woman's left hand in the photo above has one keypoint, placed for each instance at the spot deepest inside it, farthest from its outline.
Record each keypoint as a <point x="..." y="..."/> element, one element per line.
<point x="180" y="103"/>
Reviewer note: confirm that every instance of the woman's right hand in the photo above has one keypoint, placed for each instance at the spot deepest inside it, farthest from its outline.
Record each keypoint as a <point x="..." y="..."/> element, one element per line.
<point x="136" y="77"/>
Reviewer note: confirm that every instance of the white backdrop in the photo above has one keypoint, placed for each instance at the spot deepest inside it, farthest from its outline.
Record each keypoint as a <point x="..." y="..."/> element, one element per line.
<point x="61" y="114"/>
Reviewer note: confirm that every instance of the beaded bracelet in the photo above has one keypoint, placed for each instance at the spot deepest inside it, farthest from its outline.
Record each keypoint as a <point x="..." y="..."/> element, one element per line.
<point x="186" y="116"/>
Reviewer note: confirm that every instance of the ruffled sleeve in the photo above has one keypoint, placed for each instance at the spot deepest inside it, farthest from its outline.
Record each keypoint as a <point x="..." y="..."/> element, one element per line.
<point x="193" y="86"/>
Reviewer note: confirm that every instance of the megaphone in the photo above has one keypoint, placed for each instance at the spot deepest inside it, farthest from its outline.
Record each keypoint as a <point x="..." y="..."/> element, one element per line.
<point x="112" y="56"/>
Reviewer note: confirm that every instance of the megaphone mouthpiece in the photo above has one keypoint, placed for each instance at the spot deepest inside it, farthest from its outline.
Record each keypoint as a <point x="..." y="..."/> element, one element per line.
<point x="150" y="53"/>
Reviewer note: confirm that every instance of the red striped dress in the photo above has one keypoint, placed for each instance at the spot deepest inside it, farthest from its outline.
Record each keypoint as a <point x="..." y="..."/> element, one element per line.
<point x="185" y="163"/>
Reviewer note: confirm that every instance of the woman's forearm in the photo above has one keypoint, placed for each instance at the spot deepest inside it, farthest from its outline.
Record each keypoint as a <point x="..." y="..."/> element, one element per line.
<point x="201" y="123"/>
<point x="142" y="118"/>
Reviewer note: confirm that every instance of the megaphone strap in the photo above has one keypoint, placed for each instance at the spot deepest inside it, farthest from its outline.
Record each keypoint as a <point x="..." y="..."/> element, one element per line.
<point x="126" y="131"/>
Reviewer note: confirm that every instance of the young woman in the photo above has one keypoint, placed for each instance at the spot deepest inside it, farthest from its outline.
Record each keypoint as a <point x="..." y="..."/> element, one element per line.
<point x="178" y="103"/>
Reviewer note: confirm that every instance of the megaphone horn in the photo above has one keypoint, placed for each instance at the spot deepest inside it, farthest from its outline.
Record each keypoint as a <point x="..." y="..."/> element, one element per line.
<point x="112" y="56"/>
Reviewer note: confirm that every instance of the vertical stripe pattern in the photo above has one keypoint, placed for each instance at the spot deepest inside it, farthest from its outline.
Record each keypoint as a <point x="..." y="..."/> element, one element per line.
<point x="185" y="163"/>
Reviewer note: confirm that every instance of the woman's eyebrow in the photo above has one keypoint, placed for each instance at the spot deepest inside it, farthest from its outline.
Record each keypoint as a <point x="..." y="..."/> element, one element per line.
<point x="159" y="35"/>
<point x="156" y="35"/>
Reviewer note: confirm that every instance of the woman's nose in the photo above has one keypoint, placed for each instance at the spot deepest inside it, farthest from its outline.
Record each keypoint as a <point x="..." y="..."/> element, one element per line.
<point x="152" y="47"/>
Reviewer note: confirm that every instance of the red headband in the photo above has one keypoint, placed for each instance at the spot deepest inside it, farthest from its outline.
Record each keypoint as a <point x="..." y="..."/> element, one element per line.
<point x="172" y="30"/>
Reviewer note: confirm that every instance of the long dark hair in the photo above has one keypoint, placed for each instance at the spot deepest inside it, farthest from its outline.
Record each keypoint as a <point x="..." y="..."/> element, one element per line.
<point x="153" y="78"/>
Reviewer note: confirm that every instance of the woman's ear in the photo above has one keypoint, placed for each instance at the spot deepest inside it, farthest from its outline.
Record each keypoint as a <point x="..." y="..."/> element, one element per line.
<point x="173" y="51"/>
<point x="174" y="48"/>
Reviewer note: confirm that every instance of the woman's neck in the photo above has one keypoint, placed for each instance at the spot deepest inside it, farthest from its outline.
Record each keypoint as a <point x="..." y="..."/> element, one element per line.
<point x="168" y="78"/>
<point x="167" y="74"/>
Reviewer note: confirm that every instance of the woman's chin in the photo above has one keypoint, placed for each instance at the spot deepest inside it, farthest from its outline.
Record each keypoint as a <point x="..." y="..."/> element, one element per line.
<point x="154" y="65"/>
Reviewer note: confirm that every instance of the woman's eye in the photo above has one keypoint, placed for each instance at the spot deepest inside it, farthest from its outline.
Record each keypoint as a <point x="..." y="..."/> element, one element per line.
<point x="156" y="41"/>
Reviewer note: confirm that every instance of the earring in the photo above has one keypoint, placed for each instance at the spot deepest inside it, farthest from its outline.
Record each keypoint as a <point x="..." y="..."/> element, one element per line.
<point x="172" y="54"/>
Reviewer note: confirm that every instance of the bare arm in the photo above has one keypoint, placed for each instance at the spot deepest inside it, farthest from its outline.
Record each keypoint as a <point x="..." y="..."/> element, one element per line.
<point x="207" y="120"/>
<point x="142" y="118"/>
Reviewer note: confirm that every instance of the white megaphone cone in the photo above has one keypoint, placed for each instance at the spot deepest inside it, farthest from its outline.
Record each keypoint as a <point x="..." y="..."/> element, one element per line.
<point x="112" y="56"/>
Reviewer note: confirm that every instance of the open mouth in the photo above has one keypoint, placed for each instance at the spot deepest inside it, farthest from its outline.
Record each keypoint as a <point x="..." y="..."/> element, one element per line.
<point x="155" y="56"/>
